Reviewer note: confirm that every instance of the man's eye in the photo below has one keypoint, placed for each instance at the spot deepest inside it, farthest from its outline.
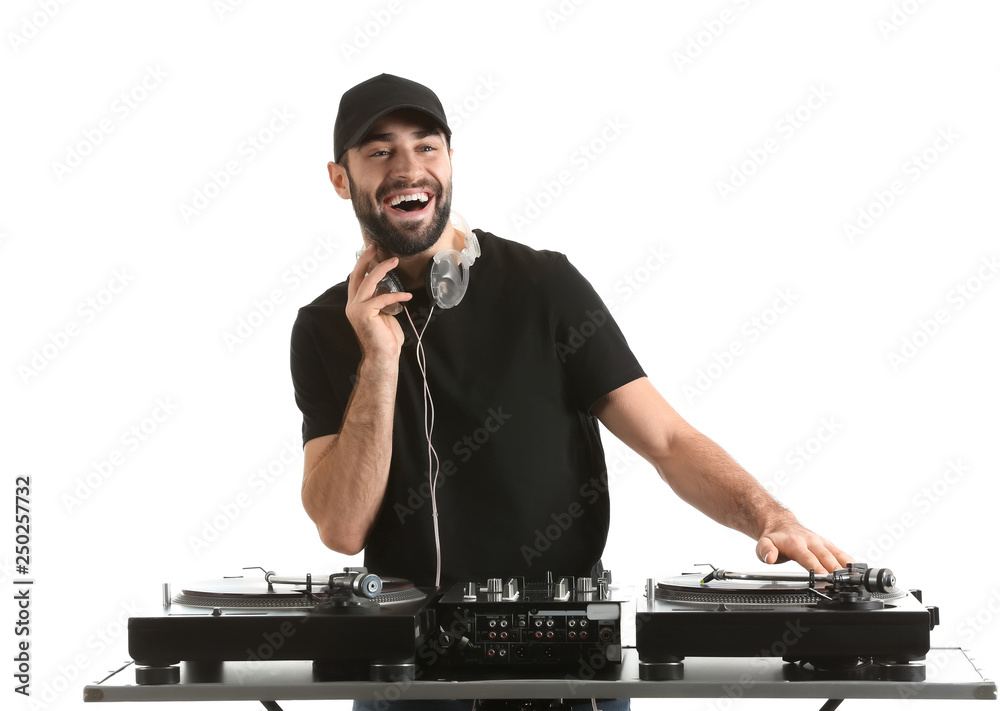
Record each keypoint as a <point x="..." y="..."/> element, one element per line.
<point x="427" y="148"/>
<point x="380" y="152"/>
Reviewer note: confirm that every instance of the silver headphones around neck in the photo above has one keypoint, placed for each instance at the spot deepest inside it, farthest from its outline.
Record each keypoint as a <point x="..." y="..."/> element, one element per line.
<point x="447" y="272"/>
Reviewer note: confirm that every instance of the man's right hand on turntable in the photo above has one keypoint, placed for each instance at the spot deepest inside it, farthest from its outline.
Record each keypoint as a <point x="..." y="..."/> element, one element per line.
<point x="786" y="539"/>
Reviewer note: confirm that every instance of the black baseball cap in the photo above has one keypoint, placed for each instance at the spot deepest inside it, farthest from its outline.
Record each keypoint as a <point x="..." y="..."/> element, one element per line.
<point x="361" y="106"/>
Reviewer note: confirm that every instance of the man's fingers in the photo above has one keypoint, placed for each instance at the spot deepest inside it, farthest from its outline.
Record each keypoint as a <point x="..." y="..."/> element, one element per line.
<point x="767" y="552"/>
<point x="377" y="274"/>
<point x="794" y="548"/>
<point x="804" y="547"/>
<point x="833" y="558"/>
<point x="842" y="558"/>
<point x="797" y="548"/>
<point x="358" y="273"/>
<point x="813" y="553"/>
<point x="379" y="302"/>
<point x="826" y="561"/>
<point x="807" y="559"/>
<point x="366" y="287"/>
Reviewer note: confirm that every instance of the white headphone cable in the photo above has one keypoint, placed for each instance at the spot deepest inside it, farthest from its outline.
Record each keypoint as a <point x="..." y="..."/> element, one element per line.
<point x="433" y="462"/>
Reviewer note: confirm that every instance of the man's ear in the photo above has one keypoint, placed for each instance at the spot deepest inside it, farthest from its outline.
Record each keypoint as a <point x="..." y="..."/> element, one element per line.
<point x="338" y="176"/>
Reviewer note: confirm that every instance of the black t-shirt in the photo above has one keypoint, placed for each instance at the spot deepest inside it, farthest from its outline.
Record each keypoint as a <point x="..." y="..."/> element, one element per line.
<point x="513" y="371"/>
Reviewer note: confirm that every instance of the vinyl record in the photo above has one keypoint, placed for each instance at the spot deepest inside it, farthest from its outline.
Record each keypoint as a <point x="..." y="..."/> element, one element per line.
<point x="252" y="592"/>
<point x="688" y="588"/>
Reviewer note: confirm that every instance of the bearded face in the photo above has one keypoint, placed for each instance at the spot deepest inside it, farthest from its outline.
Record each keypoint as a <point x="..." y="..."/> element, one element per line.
<point x="401" y="217"/>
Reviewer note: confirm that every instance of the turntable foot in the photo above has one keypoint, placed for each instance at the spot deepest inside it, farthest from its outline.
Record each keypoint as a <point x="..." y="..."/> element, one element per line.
<point x="388" y="672"/>
<point x="661" y="671"/>
<point x="149" y="676"/>
<point x="902" y="671"/>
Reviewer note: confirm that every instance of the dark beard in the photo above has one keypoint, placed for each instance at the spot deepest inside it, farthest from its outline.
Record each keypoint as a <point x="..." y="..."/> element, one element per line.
<point x="401" y="242"/>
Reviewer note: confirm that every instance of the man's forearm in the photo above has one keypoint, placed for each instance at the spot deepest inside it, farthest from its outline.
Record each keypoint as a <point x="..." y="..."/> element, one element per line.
<point x="343" y="490"/>
<point x="705" y="476"/>
<point x="702" y="474"/>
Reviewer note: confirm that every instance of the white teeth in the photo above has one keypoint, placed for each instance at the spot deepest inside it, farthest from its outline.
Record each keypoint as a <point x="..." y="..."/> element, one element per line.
<point x="422" y="197"/>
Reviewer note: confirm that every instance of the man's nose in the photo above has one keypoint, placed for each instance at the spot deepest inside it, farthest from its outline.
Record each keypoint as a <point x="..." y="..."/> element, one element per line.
<point x="405" y="165"/>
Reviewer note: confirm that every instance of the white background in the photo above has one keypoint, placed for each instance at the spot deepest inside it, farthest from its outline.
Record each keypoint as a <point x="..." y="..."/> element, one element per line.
<point x="94" y="192"/>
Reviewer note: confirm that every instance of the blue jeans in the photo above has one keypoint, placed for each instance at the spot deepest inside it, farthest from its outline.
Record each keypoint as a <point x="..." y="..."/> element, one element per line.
<point x="466" y="705"/>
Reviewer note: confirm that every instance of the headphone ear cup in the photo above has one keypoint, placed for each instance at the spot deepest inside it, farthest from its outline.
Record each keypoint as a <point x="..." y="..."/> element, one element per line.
<point x="390" y="284"/>
<point x="447" y="279"/>
<point x="448" y="271"/>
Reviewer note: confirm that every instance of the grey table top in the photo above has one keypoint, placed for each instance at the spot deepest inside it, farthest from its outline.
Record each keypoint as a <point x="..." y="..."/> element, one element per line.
<point x="951" y="674"/>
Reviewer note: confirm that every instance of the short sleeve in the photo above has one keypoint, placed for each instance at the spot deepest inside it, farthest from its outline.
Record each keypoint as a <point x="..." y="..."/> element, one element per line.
<point x="322" y="375"/>
<point x="593" y="351"/>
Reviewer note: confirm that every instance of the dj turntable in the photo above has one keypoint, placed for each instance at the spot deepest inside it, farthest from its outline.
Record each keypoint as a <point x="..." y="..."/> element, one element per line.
<point x="851" y="624"/>
<point x="350" y="625"/>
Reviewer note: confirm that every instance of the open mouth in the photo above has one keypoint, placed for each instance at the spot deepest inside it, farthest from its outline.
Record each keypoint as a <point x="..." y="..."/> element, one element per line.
<point x="414" y="202"/>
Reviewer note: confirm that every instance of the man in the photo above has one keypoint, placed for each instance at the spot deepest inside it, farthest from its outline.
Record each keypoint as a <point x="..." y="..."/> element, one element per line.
<point x="451" y="443"/>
